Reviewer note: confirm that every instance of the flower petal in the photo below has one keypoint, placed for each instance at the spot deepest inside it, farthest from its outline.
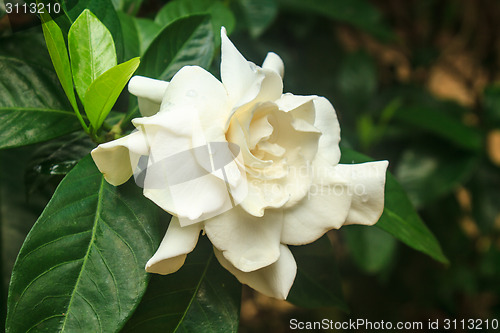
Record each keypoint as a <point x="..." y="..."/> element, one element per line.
<point x="248" y="242"/>
<point x="193" y="201"/>
<point x="199" y="90"/>
<point x="150" y="93"/>
<point x="152" y="89"/>
<point x="263" y="195"/>
<point x="325" y="207"/>
<point x="274" y="62"/>
<point x="176" y="244"/>
<point x="245" y="82"/>
<point x="240" y="77"/>
<point x="118" y="159"/>
<point x="274" y="280"/>
<point x="177" y="177"/>
<point x="288" y="102"/>
<point x="326" y="121"/>
<point x="367" y="182"/>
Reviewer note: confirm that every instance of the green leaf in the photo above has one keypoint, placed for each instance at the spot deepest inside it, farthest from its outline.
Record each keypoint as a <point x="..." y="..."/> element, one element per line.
<point x="147" y="30"/>
<point x="32" y="105"/>
<point x="130" y="36"/>
<point x="372" y="248"/>
<point x="200" y="297"/>
<point x="22" y="46"/>
<point x="442" y="125"/>
<point x="399" y="217"/>
<point x="55" y="158"/>
<point x="104" y="11"/>
<point x="17" y="214"/>
<point x="258" y="14"/>
<point x="428" y="172"/>
<point x="59" y="156"/>
<point x="92" y="51"/>
<point x="59" y="55"/>
<point x="317" y="283"/>
<point x="187" y="41"/>
<point x="220" y="14"/>
<point x="81" y="268"/>
<point x="359" y="13"/>
<point x="103" y="92"/>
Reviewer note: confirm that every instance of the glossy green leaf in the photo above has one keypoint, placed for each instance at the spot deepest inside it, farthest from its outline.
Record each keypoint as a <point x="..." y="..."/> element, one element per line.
<point x="104" y="11"/>
<point x="399" y="217"/>
<point x="23" y="45"/>
<point x="317" y="283"/>
<point x="442" y="125"/>
<point x="81" y="268"/>
<point x="147" y="30"/>
<point x="258" y="14"/>
<point x="221" y="15"/>
<point x="92" y="51"/>
<point x="428" y="172"/>
<point x="17" y="216"/>
<point x="59" y="55"/>
<point x="200" y="297"/>
<point x="187" y="41"/>
<point x="132" y="47"/>
<point x="372" y="248"/>
<point x="359" y="13"/>
<point x="32" y="105"/>
<point x="55" y="158"/>
<point x="104" y="91"/>
<point x="59" y="156"/>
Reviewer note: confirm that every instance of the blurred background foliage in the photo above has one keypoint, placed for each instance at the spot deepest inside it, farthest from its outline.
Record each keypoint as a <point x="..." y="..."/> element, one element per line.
<point x="415" y="82"/>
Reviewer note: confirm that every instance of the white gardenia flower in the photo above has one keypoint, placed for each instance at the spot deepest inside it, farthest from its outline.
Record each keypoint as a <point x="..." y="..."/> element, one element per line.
<point x="254" y="168"/>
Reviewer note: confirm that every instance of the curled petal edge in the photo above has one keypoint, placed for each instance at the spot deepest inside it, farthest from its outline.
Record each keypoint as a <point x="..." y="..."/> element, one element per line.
<point x="176" y="244"/>
<point x="274" y="280"/>
<point x="117" y="159"/>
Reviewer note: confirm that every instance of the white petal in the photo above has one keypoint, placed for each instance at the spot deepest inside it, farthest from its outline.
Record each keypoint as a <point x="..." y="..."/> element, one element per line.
<point x="240" y="78"/>
<point x="199" y="90"/>
<point x="152" y="89"/>
<point x="325" y="207"/>
<point x="176" y="244"/>
<point x="245" y="82"/>
<point x="117" y="159"/>
<point x="262" y="195"/>
<point x="150" y="93"/>
<point x="367" y="182"/>
<point x="271" y="87"/>
<point x="237" y="135"/>
<point x="179" y="176"/>
<point x="326" y="121"/>
<point x="289" y="102"/>
<point x="248" y="242"/>
<point x="274" y="62"/>
<point x="275" y="280"/>
<point x="193" y="201"/>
